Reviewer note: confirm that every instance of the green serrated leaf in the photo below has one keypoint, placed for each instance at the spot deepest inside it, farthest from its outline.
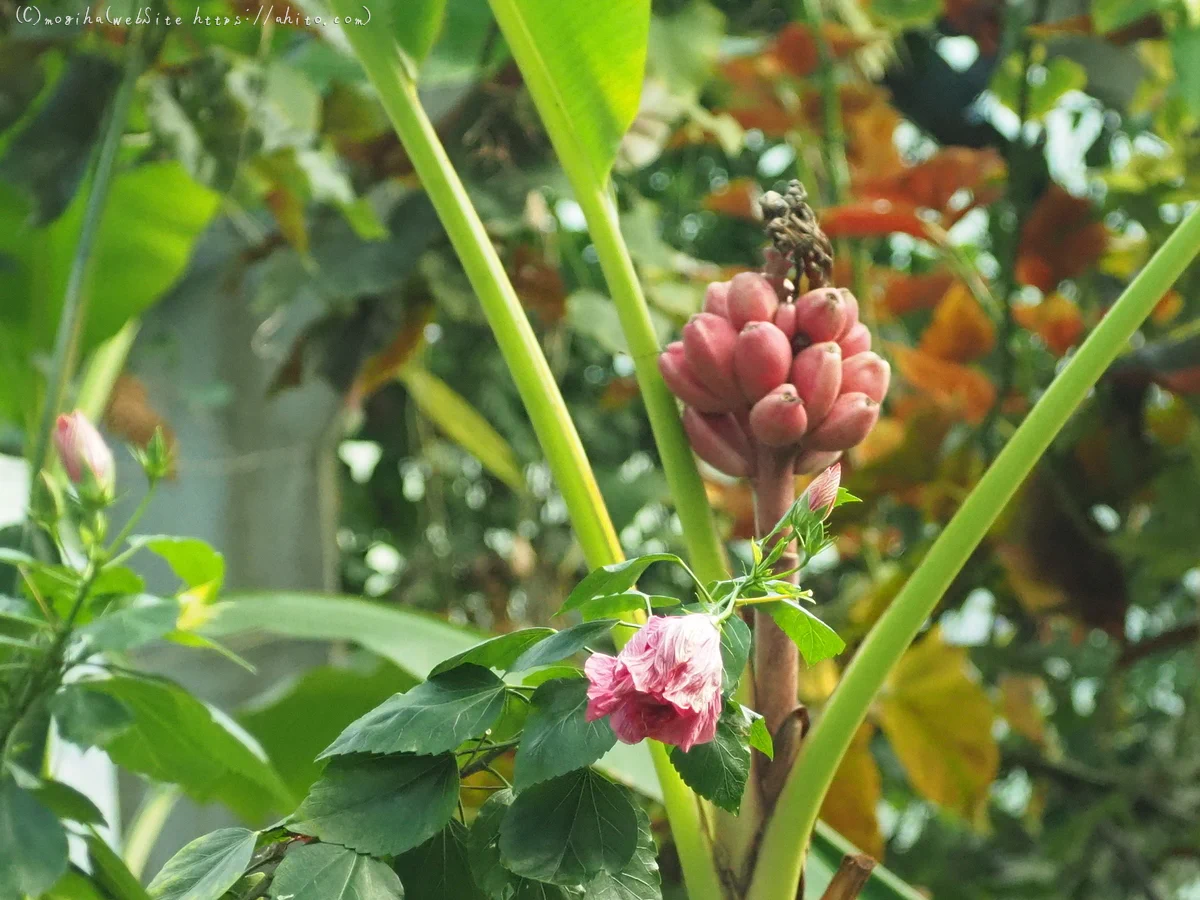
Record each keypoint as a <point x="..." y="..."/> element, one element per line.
<point x="88" y="718"/>
<point x="498" y="652"/>
<point x="142" y="619"/>
<point x="329" y="872"/>
<point x="613" y="579"/>
<point x="207" y="867"/>
<point x="439" y="869"/>
<point x="195" y="563"/>
<point x="435" y="716"/>
<point x="381" y="806"/>
<point x="558" y="737"/>
<point x="735" y="650"/>
<point x="584" y="65"/>
<point x="760" y="736"/>
<point x="483" y="855"/>
<point x="570" y="829"/>
<point x="564" y="644"/>
<point x="718" y="770"/>
<point x="816" y="640"/>
<point x="640" y="879"/>
<point x="33" y="844"/>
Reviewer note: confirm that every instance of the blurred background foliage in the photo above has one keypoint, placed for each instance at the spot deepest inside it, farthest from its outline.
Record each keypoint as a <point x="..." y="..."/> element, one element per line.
<point x="993" y="174"/>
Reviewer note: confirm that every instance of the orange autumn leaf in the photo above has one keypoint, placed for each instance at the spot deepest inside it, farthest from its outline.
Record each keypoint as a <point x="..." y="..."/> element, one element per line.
<point x="903" y="294"/>
<point x="849" y="806"/>
<point x="933" y="184"/>
<point x="872" y="218"/>
<point x="1167" y="308"/>
<point x="951" y="384"/>
<point x="1019" y="703"/>
<point x="739" y="199"/>
<point x="1060" y="239"/>
<point x="795" y="49"/>
<point x="383" y="367"/>
<point x="1056" y="320"/>
<point x="960" y="331"/>
<point x="538" y="284"/>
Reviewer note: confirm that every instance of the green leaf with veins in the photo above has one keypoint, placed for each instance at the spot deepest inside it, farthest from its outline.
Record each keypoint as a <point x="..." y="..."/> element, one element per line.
<point x="435" y="716"/>
<point x="735" y="650"/>
<point x="718" y="770"/>
<point x="498" y="652"/>
<point x="563" y="645"/>
<point x="207" y="867"/>
<point x="558" y="737"/>
<point x="381" y="806"/>
<point x="438" y="869"/>
<point x="330" y="872"/>
<point x="640" y="879"/>
<point x="483" y="856"/>
<point x="570" y="829"/>
<point x="33" y="844"/>
<point x="816" y="640"/>
<point x="613" y="579"/>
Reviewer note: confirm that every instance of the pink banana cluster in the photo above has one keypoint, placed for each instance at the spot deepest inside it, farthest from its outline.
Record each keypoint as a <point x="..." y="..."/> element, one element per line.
<point x="791" y="377"/>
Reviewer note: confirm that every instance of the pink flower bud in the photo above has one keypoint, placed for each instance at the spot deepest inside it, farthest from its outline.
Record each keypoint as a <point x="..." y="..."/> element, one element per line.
<point x="83" y="451"/>
<point x="665" y="684"/>
<point x="810" y="462"/>
<point x="817" y="375"/>
<point x="718" y="439"/>
<point x="779" y="419"/>
<point x="708" y="347"/>
<point x="857" y="340"/>
<point x="752" y="298"/>
<point x="823" y="490"/>
<point x="762" y="359"/>
<point x="849" y="421"/>
<point x="683" y="384"/>
<point x="851" y="310"/>
<point x="716" y="299"/>
<point x="821" y="315"/>
<point x="866" y="373"/>
<point x="785" y="319"/>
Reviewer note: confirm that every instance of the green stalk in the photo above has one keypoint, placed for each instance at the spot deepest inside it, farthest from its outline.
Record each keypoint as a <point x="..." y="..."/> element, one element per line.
<point x="687" y="489"/>
<point x="391" y="73"/>
<point x="788" y="832"/>
<point x="535" y="382"/>
<point x="69" y="336"/>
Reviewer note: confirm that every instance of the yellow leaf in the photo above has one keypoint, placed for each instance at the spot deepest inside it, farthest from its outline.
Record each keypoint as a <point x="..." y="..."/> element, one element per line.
<point x="939" y="723"/>
<point x="1019" y="695"/>
<point x="817" y="682"/>
<point x="849" y="807"/>
<point x="960" y="331"/>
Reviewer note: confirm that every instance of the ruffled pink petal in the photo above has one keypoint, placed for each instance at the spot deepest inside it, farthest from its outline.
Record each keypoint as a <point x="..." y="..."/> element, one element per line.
<point x="608" y="685"/>
<point x="640" y="717"/>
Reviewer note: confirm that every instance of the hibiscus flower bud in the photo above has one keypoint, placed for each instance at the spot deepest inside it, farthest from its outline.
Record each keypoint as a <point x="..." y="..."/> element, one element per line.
<point x="718" y="439"/>
<point x="752" y="298"/>
<point x="823" y="490"/>
<point x="779" y="419"/>
<point x="849" y="421"/>
<point x="83" y="452"/>
<point x="821" y="315"/>
<point x="716" y="299"/>
<point x="857" y="340"/>
<point x="762" y="359"/>
<point x="678" y="375"/>
<point x="867" y="374"/>
<point x="665" y="684"/>
<point x="785" y="319"/>
<point x="708" y="346"/>
<point x="851" y="302"/>
<point x="817" y="375"/>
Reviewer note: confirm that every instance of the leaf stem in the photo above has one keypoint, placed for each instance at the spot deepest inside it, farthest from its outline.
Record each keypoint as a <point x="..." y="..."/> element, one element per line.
<point x="789" y="831"/>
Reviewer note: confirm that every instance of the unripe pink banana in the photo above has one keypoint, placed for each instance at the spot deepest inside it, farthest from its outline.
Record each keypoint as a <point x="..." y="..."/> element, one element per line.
<point x="817" y="375"/>
<point x="810" y="462"/>
<point x="719" y="441"/>
<point x="851" y="311"/>
<point x="762" y="359"/>
<point x="857" y="340"/>
<point x="821" y="315"/>
<point x="779" y="418"/>
<point x="851" y="419"/>
<point x="866" y="373"/>
<point x="708" y="342"/>
<point x="716" y="299"/>
<point x="752" y="298"/>
<point x="683" y="383"/>
<point x="785" y="319"/>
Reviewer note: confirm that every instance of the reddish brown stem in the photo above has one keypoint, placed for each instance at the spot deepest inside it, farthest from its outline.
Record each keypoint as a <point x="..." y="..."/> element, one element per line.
<point x="850" y="878"/>
<point x="776" y="662"/>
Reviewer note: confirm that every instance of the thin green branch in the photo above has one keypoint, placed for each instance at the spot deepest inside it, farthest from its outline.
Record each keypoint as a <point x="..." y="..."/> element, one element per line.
<point x="789" y="831"/>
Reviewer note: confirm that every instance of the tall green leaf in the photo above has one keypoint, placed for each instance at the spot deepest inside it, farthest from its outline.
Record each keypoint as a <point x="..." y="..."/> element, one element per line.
<point x="583" y="64"/>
